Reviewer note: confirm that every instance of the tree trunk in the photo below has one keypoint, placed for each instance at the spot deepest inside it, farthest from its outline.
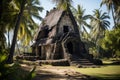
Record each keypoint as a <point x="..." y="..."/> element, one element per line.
<point x="113" y="18"/>
<point x="12" y="49"/>
<point x="18" y="48"/>
<point x="8" y="35"/>
<point x="1" y="8"/>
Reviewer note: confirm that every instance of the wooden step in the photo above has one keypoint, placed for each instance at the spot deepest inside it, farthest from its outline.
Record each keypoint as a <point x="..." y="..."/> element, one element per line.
<point x="81" y="63"/>
<point x="31" y="58"/>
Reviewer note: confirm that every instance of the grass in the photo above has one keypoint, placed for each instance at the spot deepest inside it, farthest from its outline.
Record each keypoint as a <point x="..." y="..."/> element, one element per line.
<point x="105" y="72"/>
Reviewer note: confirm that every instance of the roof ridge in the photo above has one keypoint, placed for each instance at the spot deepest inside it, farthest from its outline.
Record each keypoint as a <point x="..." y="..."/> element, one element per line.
<point x="53" y="10"/>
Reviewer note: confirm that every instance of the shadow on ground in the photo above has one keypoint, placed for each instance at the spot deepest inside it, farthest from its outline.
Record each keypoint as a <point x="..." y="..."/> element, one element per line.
<point x="48" y="75"/>
<point x="108" y="77"/>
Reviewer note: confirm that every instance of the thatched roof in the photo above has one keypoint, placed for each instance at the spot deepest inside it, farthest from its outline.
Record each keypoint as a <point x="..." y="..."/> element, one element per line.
<point x="49" y="22"/>
<point x="51" y="19"/>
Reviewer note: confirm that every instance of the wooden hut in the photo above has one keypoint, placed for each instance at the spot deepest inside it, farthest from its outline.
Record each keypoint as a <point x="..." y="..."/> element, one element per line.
<point x="58" y="37"/>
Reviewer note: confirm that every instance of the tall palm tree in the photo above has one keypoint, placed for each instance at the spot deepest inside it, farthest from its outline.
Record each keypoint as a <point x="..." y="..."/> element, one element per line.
<point x="63" y="4"/>
<point x="28" y="25"/>
<point x="10" y="57"/>
<point x="117" y="11"/>
<point x="99" y="23"/>
<point x="7" y="18"/>
<point x="2" y="38"/>
<point x="28" y="9"/>
<point x="81" y="18"/>
<point x="114" y="6"/>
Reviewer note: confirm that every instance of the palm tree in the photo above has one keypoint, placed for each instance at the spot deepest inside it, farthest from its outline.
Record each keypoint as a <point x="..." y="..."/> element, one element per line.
<point x="114" y="6"/>
<point x="10" y="57"/>
<point x="28" y="10"/>
<point x="2" y="38"/>
<point x="28" y="25"/>
<point x="117" y="11"/>
<point x="81" y="18"/>
<point x="63" y="4"/>
<point x="8" y="13"/>
<point x="99" y="24"/>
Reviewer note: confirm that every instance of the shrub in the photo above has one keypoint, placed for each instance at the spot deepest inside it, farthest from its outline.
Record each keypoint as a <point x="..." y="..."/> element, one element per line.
<point x="13" y="71"/>
<point x="97" y="62"/>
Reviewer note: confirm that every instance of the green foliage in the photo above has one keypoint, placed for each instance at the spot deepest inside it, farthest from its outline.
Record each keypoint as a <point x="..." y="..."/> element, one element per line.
<point x="94" y="52"/>
<point x="111" y="42"/>
<point x="30" y="75"/>
<point x="7" y="17"/>
<point x="63" y="4"/>
<point x="114" y="6"/>
<point x="81" y="19"/>
<point x="28" y="25"/>
<point x="9" y="10"/>
<point x="13" y="71"/>
<point x="99" y="23"/>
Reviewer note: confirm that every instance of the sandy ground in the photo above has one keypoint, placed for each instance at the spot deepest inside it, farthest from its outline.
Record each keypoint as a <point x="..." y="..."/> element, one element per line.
<point x="48" y="72"/>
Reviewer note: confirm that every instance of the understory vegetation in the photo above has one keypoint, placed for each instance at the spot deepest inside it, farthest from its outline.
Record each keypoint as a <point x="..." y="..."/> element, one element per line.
<point x="14" y="71"/>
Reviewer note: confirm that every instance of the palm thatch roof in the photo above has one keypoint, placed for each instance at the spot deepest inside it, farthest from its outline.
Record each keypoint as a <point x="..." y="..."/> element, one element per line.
<point x="51" y="19"/>
<point x="49" y="22"/>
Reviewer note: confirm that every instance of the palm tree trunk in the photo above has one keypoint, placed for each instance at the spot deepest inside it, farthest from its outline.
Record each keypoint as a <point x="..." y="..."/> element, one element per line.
<point x="113" y="18"/>
<point x="18" y="48"/>
<point x="8" y="35"/>
<point x="12" y="49"/>
<point x="1" y="8"/>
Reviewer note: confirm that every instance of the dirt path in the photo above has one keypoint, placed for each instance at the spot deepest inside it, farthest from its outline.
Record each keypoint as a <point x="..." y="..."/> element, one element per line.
<point x="57" y="73"/>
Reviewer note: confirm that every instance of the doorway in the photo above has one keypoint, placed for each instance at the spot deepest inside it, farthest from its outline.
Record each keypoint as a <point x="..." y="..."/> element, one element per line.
<point x="39" y="48"/>
<point x="70" y="47"/>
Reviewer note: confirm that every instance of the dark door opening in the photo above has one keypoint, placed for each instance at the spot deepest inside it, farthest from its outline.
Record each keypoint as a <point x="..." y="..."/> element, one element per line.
<point x="65" y="29"/>
<point x="70" y="47"/>
<point x="39" y="51"/>
<point x="46" y="31"/>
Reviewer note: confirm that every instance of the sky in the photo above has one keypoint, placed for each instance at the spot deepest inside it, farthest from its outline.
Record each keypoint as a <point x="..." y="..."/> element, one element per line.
<point x="89" y="5"/>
